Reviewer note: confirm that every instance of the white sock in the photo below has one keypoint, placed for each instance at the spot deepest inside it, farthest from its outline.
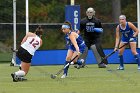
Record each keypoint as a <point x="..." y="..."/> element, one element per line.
<point x="72" y="63"/>
<point x="20" y="73"/>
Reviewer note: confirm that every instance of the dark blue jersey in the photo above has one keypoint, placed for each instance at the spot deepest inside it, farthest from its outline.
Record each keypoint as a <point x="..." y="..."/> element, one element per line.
<point x="127" y="32"/>
<point x="79" y="40"/>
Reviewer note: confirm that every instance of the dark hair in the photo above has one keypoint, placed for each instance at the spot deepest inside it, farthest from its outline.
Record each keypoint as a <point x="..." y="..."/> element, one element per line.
<point x="69" y="24"/>
<point x="39" y="31"/>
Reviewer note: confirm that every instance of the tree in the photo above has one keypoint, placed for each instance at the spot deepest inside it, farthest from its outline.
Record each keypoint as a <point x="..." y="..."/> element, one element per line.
<point x="116" y="9"/>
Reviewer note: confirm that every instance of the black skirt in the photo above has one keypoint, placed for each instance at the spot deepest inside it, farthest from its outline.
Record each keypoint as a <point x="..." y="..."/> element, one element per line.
<point x="24" y="55"/>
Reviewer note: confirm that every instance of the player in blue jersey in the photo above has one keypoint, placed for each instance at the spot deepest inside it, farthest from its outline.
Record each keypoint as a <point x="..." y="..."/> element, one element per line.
<point x="129" y="33"/>
<point x="75" y="45"/>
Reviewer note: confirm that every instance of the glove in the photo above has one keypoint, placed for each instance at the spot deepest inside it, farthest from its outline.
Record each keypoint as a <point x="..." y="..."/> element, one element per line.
<point x="99" y="30"/>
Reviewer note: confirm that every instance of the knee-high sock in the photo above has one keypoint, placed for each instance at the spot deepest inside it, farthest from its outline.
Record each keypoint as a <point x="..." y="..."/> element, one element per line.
<point x="137" y="57"/>
<point x="121" y="60"/>
<point x="66" y="69"/>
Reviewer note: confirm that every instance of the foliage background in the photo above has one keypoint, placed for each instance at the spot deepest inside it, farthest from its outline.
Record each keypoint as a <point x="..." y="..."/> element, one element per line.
<point x="48" y="13"/>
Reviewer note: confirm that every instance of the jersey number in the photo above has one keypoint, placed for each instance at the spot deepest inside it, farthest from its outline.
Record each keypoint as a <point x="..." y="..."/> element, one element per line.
<point x="34" y="44"/>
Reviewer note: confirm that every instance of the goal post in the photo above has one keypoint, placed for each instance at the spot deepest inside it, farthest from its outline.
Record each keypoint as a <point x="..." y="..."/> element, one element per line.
<point x="138" y="21"/>
<point x="13" y="61"/>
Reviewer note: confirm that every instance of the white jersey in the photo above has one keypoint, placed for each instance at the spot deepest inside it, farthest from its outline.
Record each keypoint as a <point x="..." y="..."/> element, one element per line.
<point x="31" y="44"/>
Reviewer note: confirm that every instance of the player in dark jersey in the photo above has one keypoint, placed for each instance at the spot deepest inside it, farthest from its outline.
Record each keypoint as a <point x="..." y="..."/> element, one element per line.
<point x="92" y="28"/>
<point x="129" y="33"/>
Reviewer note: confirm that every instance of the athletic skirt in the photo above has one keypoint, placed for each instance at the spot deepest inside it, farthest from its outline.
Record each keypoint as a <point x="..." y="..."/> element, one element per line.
<point x="81" y="48"/>
<point x="24" y="55"/>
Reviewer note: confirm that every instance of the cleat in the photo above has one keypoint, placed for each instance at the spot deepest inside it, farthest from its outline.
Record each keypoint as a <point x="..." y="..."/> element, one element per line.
<point x="63" y="76"/>
<point x="120" y="68"/>
<point x="102" y="65"/>
<point x="138" y="67"/>
<point x="22" y="79"/>
<point x="15" y="79"/>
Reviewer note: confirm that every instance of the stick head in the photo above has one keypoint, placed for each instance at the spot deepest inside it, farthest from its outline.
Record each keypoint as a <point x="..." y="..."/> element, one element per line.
<point x="53" y="76"/>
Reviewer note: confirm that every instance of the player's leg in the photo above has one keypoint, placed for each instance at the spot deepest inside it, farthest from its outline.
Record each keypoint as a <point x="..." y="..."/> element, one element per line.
<point x="83" y="56"/>
<point x="25" y="58"/>
<point x="135" y="53"/>
<point x="99" y="54"/>
<point x="20" y="74"/>
<point x="80" y="61"/>
<point x="121" y="67"/>
<point x="68" y="58"/>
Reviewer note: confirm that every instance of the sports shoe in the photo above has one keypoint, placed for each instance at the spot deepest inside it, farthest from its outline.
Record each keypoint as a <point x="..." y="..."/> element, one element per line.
<point x="120" y="68"/>
<point x="102" y="65"/>
<point x="138" y="67"/>
<point x="64" y="76"/>
<point x="15" y="79"/>
<point x="22" y="79"/>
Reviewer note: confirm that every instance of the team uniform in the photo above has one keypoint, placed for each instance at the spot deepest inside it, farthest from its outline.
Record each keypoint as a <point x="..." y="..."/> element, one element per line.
<point x="30" y="43"/>
<point x="127" y="33"/>
<point x="127" y="36"/>
<point x="92" y="37"/>
<point x="28" y="48"/>
<point x="80" y="43"/>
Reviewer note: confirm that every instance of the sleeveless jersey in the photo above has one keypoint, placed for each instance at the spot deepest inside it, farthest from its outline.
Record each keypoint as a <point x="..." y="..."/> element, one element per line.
<point x="127" y="32"/>
<point x="79" y="40"/>
<point x="80" y="43"/>
<point x="31" y="44"/>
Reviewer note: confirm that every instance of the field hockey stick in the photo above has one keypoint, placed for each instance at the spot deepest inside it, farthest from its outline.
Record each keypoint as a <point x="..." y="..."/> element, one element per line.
<point x="60" y="71"/>
<point x="104" y="58"/>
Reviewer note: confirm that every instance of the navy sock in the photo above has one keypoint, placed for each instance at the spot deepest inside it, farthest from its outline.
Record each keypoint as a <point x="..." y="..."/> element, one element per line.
<point x="137" y="59"/>
<point x="66" y="69"/>
<point x="121" y="60"/>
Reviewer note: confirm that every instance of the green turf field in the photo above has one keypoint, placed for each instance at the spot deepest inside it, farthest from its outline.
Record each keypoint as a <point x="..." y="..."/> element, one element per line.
<point x="84" y="80"/>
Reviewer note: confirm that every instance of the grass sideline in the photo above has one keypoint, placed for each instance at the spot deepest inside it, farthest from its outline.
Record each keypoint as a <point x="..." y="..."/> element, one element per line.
<point x="84" y="80"/>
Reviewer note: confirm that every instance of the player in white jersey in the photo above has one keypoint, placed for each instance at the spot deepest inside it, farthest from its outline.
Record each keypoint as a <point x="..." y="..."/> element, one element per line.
<point x="30" y="43"/>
